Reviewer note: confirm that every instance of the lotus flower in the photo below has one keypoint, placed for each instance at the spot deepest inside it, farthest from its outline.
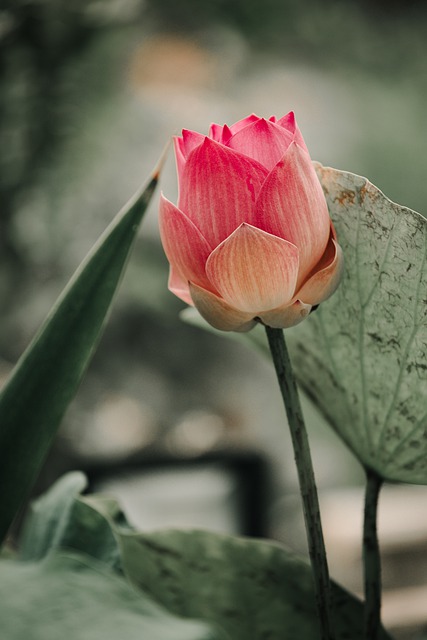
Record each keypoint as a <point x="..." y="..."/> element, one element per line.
<point x="250" y="239"/>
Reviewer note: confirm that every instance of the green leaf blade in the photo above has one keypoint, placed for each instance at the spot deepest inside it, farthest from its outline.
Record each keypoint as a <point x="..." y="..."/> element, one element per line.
<point x="48" y="374"/>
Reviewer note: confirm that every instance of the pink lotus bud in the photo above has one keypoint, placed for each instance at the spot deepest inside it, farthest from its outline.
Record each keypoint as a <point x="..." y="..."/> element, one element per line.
<point x="251" y="239"/>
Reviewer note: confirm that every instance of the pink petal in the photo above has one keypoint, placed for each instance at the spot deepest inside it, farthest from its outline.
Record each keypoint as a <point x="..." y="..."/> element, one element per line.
<point x="254" y="271"/>
<point x="215" y="132"/>
<point x="191" y="140"/>
<point x="226" y="135"/>
<point x="180" y="158"/>
<point x="262" y="140"/>
<point x="179" y="286"/>
<point x="325" y="277"/>
<point x="241" y="124"/>
<point x="184" y="245"/>
<point x="288" y="122"/>
<point x="291" y="205"/>
<point x="218" y="313"/>
<point x="218" y="189"/>
<point x="286" y="316"/>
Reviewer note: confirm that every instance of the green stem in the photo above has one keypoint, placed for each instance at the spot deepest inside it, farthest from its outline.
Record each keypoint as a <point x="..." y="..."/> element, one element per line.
<point x="316" y="545"/>
<point x="371" y="558"/>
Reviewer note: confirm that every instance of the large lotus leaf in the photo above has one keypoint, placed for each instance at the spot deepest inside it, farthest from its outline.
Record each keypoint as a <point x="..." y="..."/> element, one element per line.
<point x="73" y="597"/>
<point x="362" y="356"/>
<point x="251" y="588"/>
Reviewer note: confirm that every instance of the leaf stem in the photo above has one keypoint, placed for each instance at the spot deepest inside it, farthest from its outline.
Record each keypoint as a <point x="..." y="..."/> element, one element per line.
<point x="371" y="557"/>
<point x="307" y="483"/>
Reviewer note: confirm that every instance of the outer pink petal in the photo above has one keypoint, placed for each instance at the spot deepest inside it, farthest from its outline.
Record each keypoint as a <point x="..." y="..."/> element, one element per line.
<point x="180" y="159"/>
<point x="286" y="316"/>
<point x="179" y="286"/>
<point x="241" y="124"/>
<point x="219" y="189"/>
<point x="325" y="277"/>
<point x="254" y="271"/>
<point x="291" y="205"/>
<point x="218" y="313"/>
<point x="184" y="245"/>
<point x="289" y="123"/>
<point x="191" y="140"/>
<point x="262" y="140"/>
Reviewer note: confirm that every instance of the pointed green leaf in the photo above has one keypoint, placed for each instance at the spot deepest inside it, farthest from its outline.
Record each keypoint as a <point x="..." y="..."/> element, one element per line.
<point x="73" y="597"/>
<point x="47" y="376"/>
<point x="63" y="519"/>
<point x="251" y="588"/>
<point x="49" y="517"/>
<point x="362" y="356"/>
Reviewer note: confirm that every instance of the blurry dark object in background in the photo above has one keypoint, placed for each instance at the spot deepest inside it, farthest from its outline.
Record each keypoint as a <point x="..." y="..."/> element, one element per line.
<point x="224" y="490"/>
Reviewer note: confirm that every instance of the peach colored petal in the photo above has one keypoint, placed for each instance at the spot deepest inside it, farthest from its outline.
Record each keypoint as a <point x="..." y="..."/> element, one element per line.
<point x="325" y="277"/>
<point x="286" y="316"/>
<point x="254" y="271"/>
<point x="218" y="313"/>
<point x="291" y="205"/>
<point x="218" y="189"/>
<point x="262" y="140"/>
<point x="179" y="286"/>
<point x="184" y="245"/>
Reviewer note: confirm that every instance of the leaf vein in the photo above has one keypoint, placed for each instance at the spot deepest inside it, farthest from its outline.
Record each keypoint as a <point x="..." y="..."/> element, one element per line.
<point x="406" y="352"/>
<point x="361" y="333"/>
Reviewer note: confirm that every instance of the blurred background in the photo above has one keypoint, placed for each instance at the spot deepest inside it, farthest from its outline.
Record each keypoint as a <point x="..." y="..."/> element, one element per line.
<point x="184" y="427"/>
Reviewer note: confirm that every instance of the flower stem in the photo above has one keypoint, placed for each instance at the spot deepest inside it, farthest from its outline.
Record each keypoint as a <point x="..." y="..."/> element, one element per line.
<point x="316" y="545"/>
<point x="371" y="558"/>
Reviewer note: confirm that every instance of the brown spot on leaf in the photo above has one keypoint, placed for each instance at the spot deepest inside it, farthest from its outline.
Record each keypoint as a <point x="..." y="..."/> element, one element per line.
<point x="346" y="196"/>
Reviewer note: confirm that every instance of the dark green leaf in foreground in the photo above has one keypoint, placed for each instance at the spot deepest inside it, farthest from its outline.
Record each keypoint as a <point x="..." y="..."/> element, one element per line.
<point x="47" y="376"/>
<point x="74" y="597"/>
<point x="252" y="589"/>
<point x="362" y="356"/>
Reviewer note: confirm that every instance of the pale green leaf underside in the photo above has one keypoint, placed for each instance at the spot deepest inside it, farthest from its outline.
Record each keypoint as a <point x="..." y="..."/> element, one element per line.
<point x="73" y="597"/>
<point x="362" y="356"/>
<point x="251" y="588"/>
